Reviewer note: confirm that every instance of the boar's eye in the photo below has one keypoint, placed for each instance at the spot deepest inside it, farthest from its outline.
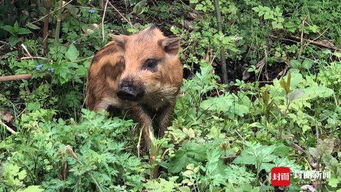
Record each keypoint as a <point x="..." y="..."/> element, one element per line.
<point x="150" y="64"/>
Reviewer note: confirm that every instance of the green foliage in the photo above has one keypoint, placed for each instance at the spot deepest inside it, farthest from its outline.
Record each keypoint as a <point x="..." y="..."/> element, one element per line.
<point x="274" y="15"/>
<point x="284" y="91"/>
<point x="15" y="31"/>
<point x="86" y="148"/>
<point x="229" y="104"/>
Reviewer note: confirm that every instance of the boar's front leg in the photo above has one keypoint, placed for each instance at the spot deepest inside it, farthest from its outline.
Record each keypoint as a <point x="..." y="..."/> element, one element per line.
<point x="164" y="119"/>
<point x="146" y="124"/>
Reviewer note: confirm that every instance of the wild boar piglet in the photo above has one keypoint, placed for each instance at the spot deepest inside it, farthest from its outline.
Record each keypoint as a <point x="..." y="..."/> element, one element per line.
<point x="139" y="73"/>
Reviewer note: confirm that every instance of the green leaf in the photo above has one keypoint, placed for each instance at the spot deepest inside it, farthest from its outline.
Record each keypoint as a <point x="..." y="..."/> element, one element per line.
<point x="318" y="91"/>
<point x="189" y="153"/>
<point x="295" y="94"/>
<point x="333" y="182"/>
<point x="32" y="26"/>
<point x="256" y="154"/>
<point x="184" y="189"/>
<point x="276" y="25"/>
<point x="280" y="19"/>
<point x="296" y="78"/>
<point x="140" y="7"/>
<point x="239" y="175"/>
<point x="240" y="110"/>
<point x="256" y="9"/>
<point x="8" y="28"/>
<point x="313" y="28"/>
<point x="307" y="64"/>
<point x="13" y="40"/>
<point x="32" y="106"/>
<point x="72" y="53"/>
<point x="265" y="96"/>
<point x="284" y="85"/>
<point x="218" y="104"/>
<point x="295" y="63"/>
<point x="268" y="15"/>
<point x="200" y="7"/>
<point x="337" y="54"/>
<point x="23" y="31"/>
<point x="32" y="188"/>
<point x="22" y="174"/>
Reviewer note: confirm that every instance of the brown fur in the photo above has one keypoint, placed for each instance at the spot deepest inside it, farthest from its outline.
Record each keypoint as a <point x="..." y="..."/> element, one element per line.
<point x="123" y="58"/>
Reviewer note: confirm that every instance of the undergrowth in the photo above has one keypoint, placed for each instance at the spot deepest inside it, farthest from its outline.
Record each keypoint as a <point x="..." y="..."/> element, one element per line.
<point x="281" y="107"/>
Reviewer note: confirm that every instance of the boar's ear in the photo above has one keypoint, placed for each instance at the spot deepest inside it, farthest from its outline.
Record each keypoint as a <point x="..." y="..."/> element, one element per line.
<point x="119" y="39"/>
<point x="171" y="45"/>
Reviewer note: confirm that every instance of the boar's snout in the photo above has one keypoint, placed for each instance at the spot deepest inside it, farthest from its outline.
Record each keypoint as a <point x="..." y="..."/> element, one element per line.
<point x="130" y="91"/>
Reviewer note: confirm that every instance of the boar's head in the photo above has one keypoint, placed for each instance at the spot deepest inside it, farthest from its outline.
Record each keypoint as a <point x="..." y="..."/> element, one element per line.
<point x="152" y="69"/>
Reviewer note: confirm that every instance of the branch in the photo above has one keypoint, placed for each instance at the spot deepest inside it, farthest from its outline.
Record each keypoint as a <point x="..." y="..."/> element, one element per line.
<point x="295" y="39"/>
<point x="43" y="17"/>
<point x="318" y="43"/>
<point x="222" y="50"/>
<point x="33" y="57"/>
<point x="25" y="49"/>
<point x="15" y="77"/>
<point x="8" y="128"/>
<point x="298" y="148"/>
<point x="120" y="14"/>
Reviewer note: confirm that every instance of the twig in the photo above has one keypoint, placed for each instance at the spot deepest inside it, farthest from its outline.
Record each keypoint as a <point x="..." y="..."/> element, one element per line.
<point x="240" y="135"/>
<point x="301" y="39"/>
<point x="260" y="65"/>
<point x="283" y="72"/>
<point x="296" y="39"/>
<point x="16" y="116"/>
<point x="139" y="143"/>
<point x="298" y="148"/>
<point x="222" y="50"/>
<point x="285" y="39"/>
<point x="34" y="57"/>
<point x="4" y="43"/>
<point x="265" y="82"/>
<point x="103" y="17"/>
<point x="43" y="17"/>
<point x="63" y="174"/>
<point x="15" y="77"/>
<point x="46" y="26"/>
<point x="321" y="34"/>
<point x="120" y="14"/>
<point x="164" y="153"/>
<point x="316" y="43"/>
<point x="8" y="128"/>
<point x="25" y="49"/>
